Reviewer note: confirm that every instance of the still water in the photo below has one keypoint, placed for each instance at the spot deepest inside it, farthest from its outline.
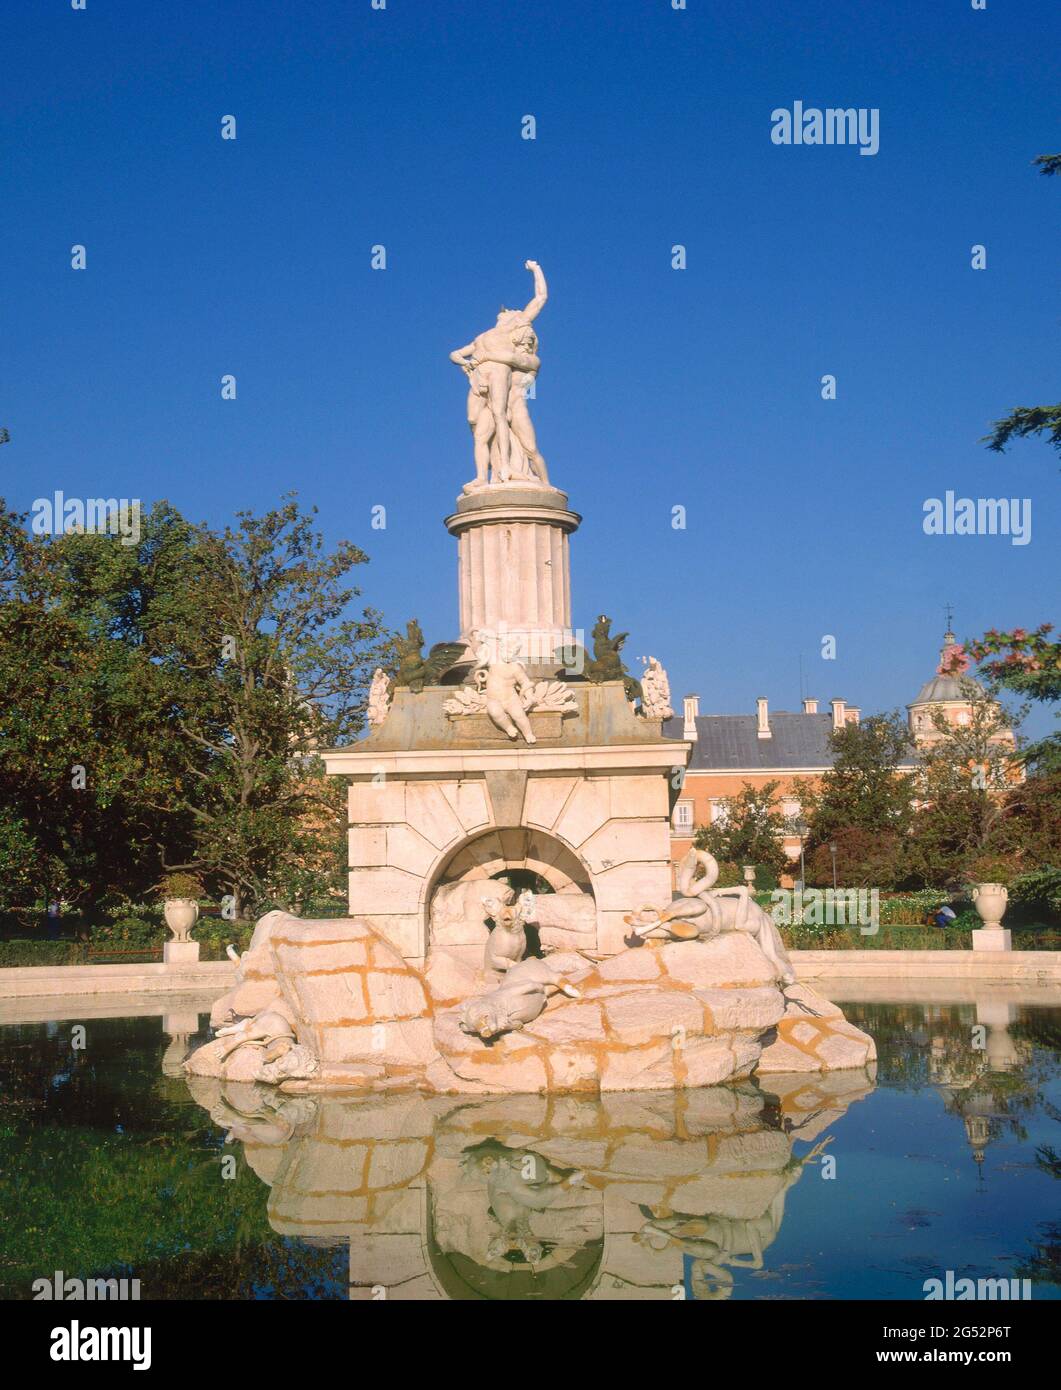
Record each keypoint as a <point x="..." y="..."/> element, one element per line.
<point x="844" y="1186"/>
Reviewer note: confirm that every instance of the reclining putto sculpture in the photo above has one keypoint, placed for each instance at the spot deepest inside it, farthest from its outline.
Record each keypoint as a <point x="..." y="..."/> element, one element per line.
<point x="518" y="999"/>
<point x="701" y="911"/>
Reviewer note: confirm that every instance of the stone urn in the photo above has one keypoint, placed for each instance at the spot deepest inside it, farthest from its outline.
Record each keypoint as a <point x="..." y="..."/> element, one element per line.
<point x="181" y="915"/>
<point x="990" y="900"/>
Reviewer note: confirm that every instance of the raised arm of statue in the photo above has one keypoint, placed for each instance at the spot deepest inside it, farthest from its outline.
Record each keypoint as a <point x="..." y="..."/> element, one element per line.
<point x="541" y="291"/>
<point x="464" y="357"/>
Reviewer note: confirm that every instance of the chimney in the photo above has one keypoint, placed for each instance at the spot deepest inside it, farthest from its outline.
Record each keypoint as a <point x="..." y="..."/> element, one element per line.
<point x="692" y="710"/>
<point x="763" y="730"/>
<point x="839" y="719"/>
<point x="810" y="706"/>
<point x="853" y="714"/>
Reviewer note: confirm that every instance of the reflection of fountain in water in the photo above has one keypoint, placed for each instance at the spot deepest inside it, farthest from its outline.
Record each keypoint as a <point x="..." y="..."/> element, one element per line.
<point x="964" y="1074"/>
<point x="650" y="1195"/>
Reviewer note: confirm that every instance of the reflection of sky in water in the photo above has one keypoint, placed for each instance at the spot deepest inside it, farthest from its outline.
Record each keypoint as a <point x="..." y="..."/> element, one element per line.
<point x="109" y="1166"/>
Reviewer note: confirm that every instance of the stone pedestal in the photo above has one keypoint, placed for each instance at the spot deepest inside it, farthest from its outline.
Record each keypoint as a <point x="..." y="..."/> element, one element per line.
<point x="442" y="800"/>
<point x="513" y="566"/>
<point x="434" y="802"/>
<point x="180" y="952"/>
<point x="991" y="939"/>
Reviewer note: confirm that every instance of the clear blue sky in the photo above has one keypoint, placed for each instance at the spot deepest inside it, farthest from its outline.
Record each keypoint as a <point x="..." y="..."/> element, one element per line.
<point x="658" y="387"/>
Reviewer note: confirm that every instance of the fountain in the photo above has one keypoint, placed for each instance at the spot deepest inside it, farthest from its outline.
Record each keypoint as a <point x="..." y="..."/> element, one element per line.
<point x="513" y="926"/>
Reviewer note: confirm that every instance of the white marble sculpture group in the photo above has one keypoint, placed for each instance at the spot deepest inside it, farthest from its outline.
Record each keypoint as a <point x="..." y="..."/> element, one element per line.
<point x="446" y="979"/>
<point x="501" y="688"/>
<point x="704" y="993"/>
<point x="501" y="365"/>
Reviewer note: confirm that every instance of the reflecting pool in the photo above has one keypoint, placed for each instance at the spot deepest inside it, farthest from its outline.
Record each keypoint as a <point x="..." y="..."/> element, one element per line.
<point x="848" y="1185"/>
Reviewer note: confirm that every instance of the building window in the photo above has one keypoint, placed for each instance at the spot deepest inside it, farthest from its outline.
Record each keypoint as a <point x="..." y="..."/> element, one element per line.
<point x="683" y="818"/>
<point x="790" y="809"/>
<point x="719" y="811"/>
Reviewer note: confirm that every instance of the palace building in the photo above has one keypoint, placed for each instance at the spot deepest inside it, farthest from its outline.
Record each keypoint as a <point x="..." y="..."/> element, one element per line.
<point x="793" y="748"/>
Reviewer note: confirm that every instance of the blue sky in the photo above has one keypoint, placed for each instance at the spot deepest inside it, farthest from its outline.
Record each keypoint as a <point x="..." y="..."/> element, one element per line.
<point x="659" y="388"/>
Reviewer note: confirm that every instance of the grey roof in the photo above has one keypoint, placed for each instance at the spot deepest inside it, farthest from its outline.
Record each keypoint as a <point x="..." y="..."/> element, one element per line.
<point x="945" y="688"/>
<point x="732" y="741"/>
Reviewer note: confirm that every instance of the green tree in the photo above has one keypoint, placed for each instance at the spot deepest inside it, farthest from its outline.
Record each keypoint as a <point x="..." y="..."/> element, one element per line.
<point x="749" y="830"/>
<point x="1029" y="664"/>
<point x="249" y="642"/>
<point x="864" y="789"/>
<point x="77" y="753"/>
<point x="191" y="676"/>
<point x="965" y="775"/>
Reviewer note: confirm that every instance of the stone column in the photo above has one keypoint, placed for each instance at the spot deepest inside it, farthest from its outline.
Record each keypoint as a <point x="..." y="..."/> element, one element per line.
<point x="513" y="565"/>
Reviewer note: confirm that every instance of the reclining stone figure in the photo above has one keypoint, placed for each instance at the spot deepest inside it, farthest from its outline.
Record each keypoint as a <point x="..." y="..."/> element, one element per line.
<point x="701" y="911"/>
<point x="517" y="1001"/>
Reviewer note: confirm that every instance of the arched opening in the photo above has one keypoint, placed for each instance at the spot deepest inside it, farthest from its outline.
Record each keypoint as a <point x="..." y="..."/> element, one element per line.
<point x="522" y="858"/>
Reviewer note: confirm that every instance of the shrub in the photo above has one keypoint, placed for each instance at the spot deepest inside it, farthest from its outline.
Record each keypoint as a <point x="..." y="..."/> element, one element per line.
<point x="992" y="868"/>
<point x="215" y="934"/>
<point x="131" y="932"/>
<point x="24" y="952"/>
<point x="1038" y="886"/>
<point x="909" y="909"/>
<point x="864" y="859"/>
<point x="181" y="885"/>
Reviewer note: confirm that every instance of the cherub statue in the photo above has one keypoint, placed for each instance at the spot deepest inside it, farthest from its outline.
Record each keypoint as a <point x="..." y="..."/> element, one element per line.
<point x="701" y="911"/>
<point x="607" y="664"/>
<point x="655" y="692"/>
<point x="520" y="1183"/>
<point x="507" y="943"/>
<point x="505" y="685"/>
<point x="414" y="669"/>
<point x="379" y="698"/>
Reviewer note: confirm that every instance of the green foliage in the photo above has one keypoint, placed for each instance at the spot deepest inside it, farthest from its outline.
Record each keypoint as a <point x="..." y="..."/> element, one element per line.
<point x="911" y="907"/>
<point x="161" y="704"/>
<point x="1038" y="886"/>
<point x="966" y="774"/>
<point x="215" y="934"/>
<point x="1024" y="422"/>
<point x="180" y="885"/>
<point x="749" y="832"/>
<point x="807" y="937"/>
<point x="729" y="875"/>
<point x="35" y="951"/>
<point x="864" y="788"/>
<point x="1029" y="664"/>
<point x="130" y="933"/>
